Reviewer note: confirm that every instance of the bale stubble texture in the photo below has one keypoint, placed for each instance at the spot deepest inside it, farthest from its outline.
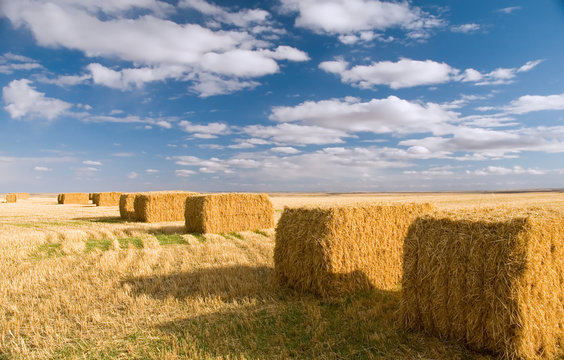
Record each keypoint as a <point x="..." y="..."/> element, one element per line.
<point x="73" y="198"/>
<point x="223" y="213"/>
<point x="332" y="251"/>
<point x="161" y="206"/>
<point x="106" y="198"/>
<point x="492" y="279"/>
<point x="22" y="196"/>
<point x="11" y="198"/>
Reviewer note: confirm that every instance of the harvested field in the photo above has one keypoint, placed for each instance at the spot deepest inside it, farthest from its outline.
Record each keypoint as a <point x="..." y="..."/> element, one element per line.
<point x="79" y="282"/>
<point x="161" y="206"/>
<point x="106" y="198"/>
<point x="221" y="213"/>
<point x="73" y="198"/>
<point x="492" y="279"/>
<point x="337" y="250"/>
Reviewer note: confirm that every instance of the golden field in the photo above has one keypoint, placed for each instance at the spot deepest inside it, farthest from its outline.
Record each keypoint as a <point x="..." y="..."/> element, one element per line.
<point x="76" y="281"/>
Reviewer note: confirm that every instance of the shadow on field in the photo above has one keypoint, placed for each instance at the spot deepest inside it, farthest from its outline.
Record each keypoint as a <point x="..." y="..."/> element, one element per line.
<point x="228" y="283"/>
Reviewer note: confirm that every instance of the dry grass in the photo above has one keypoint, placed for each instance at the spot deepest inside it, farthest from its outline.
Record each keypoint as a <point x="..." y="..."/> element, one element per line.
<point x="492" y="278"/>
<point x="105" y="198"/>
<point x="78" y="282"/>
<point x="161" y="206"/>
<point x="73" y="198"/>
<point x="220" y="213"/>
<point x="338" y="250"/>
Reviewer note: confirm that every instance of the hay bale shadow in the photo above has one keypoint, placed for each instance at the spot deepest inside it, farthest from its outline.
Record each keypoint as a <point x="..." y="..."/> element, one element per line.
<point x="229" y="283"/>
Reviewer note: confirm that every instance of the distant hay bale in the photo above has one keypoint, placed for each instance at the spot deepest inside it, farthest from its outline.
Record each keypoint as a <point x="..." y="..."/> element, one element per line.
<point x="11" y="198"/>
<point x="490" y="278"/>
<point x="90" y="196"/>
<point x="22" y="196"/>
<point x="60" y="199"/>
<point x="127" y="206"/>
<point x="337" y="250"/>
<point x="106" y="198"/>
<point x="218" y="213"/>
<point x="73" y="198"/>
<point x="161" y="206"/>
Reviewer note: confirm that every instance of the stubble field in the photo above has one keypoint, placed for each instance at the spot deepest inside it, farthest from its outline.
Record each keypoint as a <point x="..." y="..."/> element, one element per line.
<point x="76" y="281"/>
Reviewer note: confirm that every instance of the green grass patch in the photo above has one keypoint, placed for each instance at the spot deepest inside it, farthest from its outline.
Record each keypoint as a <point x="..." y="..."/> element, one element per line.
<point x="46" y="251"/>
<point x="199" y="237"/>
<point x="174" y="239"/>
<point x="259" y="232"/>
<point x="134" y="241"/>
<point x="102" y="244"/>
<point x="108" y="220"/>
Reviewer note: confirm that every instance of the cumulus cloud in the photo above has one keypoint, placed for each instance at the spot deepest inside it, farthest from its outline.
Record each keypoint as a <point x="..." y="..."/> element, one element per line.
<point x="184" y="172"/>
<point x="42" y="168"/>
<point x="208" y="131"/>
<point x="499" y="170"/>
<point x="92" y="163"/>
<point x="285" y="150"/>
<point x="294" y="134"/>
<point x="510" y="9"/>
<point x="24" y="101"/>
<point x="151" y="171"/>
<point x="529" y="103"/>
<point x="465" y="28"/>
<point x="351" y="20"/>
<point x="10" y="63"/>
<point x="388" y="115"/>
<point x="128" y="119"/>
<point x="243" y="18"/>
<point x="408" y="73"/>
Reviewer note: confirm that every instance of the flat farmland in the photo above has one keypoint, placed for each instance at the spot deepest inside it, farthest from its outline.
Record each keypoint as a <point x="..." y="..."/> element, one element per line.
<point x="77" y="281"/>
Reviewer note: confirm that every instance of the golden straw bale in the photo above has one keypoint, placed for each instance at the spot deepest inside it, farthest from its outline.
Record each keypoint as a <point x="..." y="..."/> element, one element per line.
<point x="60" y="199"/>
<point x="127" y="206"/>
<point x="106" y="198"/>
<point x="490" y="278"/>
<point x="218" y="213"/>
<point x="11" y="198"/>
<point x="74" y="198"/>
<point x="22" y="196"/>
<point x="161" y="206"/>
<point x="338" y="250"/>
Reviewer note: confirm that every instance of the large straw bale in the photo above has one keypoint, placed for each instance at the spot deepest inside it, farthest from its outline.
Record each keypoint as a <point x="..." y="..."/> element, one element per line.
<point x="127" y="206"/>
<point x="22" y="196"/>
<point x="338" y="250"/>
<point x="218" y="213"/>
<point x="491" y="278"/>
<point x="11" y="198"/>
<point x="161" y="206"/>
<point x="73" y="198"/>
<point x="106" y="198"/>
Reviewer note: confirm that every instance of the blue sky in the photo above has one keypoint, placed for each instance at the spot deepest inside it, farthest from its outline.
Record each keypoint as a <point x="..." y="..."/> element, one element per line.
<point x="281" y="95"/>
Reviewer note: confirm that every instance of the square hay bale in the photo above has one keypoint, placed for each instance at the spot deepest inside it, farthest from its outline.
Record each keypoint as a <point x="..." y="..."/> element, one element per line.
<point x="332" y="251"/>
<point x="127" y="206"/>
<point x="490" y="278"/>
<point x="218" y="213"/>
<point x="74" y="198"/>
<point x="161" y="206"/>
<point x="22" y="196"/>
<point x="106" y="198"/>
<point x="11" y="198"/>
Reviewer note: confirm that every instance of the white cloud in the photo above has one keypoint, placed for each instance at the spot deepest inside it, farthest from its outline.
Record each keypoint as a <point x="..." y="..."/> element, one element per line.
<point x="408" y="73"/>
<point x="285" y="150"/>
<point x="293" y="134"/>
<point x="132" y="175"/>
<point x="529" y="103"/>
<point x="151" y="171"/>
<point x="242" y="18"/>
<point x="128" y="119"/>
<point x="284" y="52"/>
<point x="92" y="163"/>
<point x="184" y="172"/>
<point x="208" y="131"/>
<point x="389" y="115"/>
<point x="355" y="17"/>
<point x="465" y="28"/>
<point x="65" y="80"/>
<point x="509" y="10"/>
<point x="123" y="154"/>
<point x="499" y="170"/>
<point x="24" y="101"/>
<point x="206" y="84"/>
<point x="10" y="63"/>
<point x="42" y="168"/>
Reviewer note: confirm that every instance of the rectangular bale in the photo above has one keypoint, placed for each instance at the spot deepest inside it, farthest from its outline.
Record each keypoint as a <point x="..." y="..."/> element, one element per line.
<point x="106" y="198"/>
<point x="60" y="199"/>
<point x="219" y="213"/>
<point x="11" y="198"/>
<point x="22" y="196"/>
<point x="74" y="198"/>
<point x="339" y="250"/>
<point x="127" y="206"/>
<point x="492" y="279"/>
<point x="161" y="206"/>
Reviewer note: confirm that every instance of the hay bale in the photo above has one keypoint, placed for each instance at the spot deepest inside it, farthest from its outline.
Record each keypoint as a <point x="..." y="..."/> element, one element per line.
<point x="127" y="206"/>
<point x="491" y="278"/>
<point x="60" y="199"/>
<point x="22" y="196"/>
<point x="338" y="250"/>
<point x="161" y="206"/>
<point x="11" y="198"/>
<point x="106" y="198"/>
<point x="73" y="198"/>
<point x="90" y="196"/>
<point x="217" y="213"/>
